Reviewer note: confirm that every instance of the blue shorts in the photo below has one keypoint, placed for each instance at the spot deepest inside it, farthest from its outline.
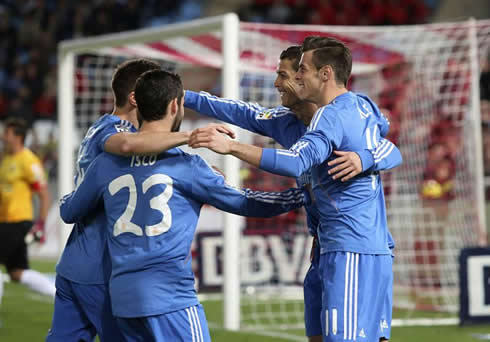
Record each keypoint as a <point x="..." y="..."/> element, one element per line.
<point x="357" y="296"/>
<point x="312" y="290"/>
<point x="81" y="312"/>
<point x="184" y="325"/>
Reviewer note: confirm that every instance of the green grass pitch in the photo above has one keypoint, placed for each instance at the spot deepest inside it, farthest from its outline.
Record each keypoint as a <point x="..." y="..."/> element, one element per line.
<point x="26" y="316"/>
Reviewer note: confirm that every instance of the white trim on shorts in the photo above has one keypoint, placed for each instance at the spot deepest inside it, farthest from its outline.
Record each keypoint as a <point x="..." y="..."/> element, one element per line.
<point x="194" y="324"/>
<point x="351" y="288"/>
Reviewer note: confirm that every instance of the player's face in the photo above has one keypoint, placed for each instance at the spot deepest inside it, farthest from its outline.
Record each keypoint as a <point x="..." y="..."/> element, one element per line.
<point x="178" y="117"/>
<point x="285" y="74"/>
<point x="308" y="77"/>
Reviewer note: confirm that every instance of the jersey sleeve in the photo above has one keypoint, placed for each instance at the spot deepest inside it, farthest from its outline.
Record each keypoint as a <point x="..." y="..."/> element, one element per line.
<point x="324" y="134"/>
<point x="208" y="186"/>
<point x="110" y="130"/>
<point x="34" y="172"/>
<point x="384" y="157"/>
<point x="77" y="205"/>
<point x="276" y="123"/>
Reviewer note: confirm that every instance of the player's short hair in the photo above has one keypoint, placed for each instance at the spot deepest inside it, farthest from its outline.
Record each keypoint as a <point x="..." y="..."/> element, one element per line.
<point x="19" y="127"/>
<point x="293" y="53"/>
<point x="330" y="51"/>
<point x="125" y="76"/>
<point x="154" y="90"/>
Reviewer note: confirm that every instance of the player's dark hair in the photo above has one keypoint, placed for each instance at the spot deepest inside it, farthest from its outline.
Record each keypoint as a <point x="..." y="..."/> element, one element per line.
<point x="19" y="127"/>
<point x="330" y="51"/>
<point x="293" y="53"/>
<point x="154" y="90"/>
<point x="125" y="76"/>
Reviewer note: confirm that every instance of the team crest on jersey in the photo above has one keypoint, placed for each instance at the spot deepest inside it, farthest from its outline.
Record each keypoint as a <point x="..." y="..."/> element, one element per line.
<point x="265" y="115"/>
<point x="362" y="333"/>
<point x="124" y="126"/>
<point x="272" y="113"/>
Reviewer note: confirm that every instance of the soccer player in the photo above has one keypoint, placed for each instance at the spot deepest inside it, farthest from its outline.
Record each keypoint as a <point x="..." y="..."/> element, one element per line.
<point x="286" y="124"/>
<point x="152" y="205"/>
<point x="352" y="230"/>
<point x="21" y="175"/>
<point x="82" y="304"/>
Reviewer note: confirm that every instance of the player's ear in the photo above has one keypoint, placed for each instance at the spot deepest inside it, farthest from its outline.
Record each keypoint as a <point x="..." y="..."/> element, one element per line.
<point x="174" y="106"/>
<point x="325" y="72"/>
<point x="132" y="100"/>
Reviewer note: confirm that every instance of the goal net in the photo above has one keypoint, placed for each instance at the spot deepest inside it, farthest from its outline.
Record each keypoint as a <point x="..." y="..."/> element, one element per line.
<point x="424" y="77"/>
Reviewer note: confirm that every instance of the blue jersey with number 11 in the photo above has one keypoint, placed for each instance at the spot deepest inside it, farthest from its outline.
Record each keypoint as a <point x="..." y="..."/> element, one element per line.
<point x="152" y="205"/>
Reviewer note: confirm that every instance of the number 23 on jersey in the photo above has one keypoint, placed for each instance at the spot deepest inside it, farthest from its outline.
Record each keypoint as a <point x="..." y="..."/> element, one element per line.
<point x="160" y="203"/>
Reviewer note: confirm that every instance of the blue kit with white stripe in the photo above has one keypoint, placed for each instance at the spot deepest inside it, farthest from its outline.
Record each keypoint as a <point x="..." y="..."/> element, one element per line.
<point x="82" y="304"/>
<point x="152" y="205"/>
<point x="283" y="125"/>
<point x="352" y="214"/>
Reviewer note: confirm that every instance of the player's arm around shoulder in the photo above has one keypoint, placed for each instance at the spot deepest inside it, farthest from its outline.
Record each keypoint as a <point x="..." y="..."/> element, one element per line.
<point x="324" y="132"/>
<point x="142" y="143"/>
<point x="85" y="198"/>
<point x="349" y="164"/>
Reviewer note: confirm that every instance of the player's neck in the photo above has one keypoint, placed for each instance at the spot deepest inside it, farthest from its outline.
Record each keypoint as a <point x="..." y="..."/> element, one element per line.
<point x="330" y="94"/>
<point x="127" y="113"/>
<point x="304" y="111"/>
<point x="155" y="126"/>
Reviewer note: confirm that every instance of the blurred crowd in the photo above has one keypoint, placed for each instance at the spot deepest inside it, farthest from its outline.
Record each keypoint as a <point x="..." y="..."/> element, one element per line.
<point x="31" y="29"/>
<point x="339" y="12"/>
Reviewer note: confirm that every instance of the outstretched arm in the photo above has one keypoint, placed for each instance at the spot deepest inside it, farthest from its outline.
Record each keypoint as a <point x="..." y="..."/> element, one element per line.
<point x="208" y="186"/>
<point x="278" y="123"/>
<point x="311" y="149"/>
<point x="210" y="138"/>
<point x="346" y="166"/>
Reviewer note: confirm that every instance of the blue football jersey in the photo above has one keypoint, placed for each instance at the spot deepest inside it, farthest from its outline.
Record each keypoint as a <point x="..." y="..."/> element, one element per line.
<point x="281" y="124"/>
<point x="85" y="259"/>
<point x="352" y="214"/>
<point x="152" y="205"/>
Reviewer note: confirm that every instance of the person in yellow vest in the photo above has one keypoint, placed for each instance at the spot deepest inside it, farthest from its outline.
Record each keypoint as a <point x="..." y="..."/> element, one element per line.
<point x="21" y="175"/>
